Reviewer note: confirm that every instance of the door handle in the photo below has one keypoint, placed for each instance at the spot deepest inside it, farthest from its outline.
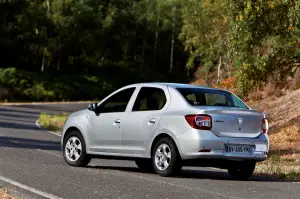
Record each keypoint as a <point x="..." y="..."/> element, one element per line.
<point x="117" y="121"/>
<point x="152" y="121"/>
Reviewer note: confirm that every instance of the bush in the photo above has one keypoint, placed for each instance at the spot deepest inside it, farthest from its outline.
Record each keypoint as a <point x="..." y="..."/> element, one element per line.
<point x="33" y="86"/>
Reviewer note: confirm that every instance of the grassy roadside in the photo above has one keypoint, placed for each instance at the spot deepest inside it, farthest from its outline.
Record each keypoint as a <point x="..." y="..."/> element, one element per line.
<point x="278" y="165"/>
<point x="53" y="122"/>
<point x="284" y="155"/>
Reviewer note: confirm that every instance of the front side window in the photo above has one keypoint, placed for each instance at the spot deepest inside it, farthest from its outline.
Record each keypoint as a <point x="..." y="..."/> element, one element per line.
<point x="211" y="97"/>
<point x="118" y="102"/>
<point x="150" y="99"/>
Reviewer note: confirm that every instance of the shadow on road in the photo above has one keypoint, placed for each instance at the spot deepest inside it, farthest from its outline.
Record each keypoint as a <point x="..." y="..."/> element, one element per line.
<point x="15" y="109"/>
<point x="191" y="174"/>
<point x="13" y="142"/>
<point x="56" y="108"/>
<point x="13" y="125"/>
<point x="19" y="115"/>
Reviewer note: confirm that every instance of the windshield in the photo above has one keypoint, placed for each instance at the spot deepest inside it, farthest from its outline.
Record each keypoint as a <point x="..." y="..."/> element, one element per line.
<point x="210" y="97"/>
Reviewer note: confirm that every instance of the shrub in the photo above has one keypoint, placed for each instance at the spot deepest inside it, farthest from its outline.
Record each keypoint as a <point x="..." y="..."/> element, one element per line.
<point x="34" y="86"/>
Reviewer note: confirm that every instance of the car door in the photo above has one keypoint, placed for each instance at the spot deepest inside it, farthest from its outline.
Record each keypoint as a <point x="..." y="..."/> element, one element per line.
<point x="105" y="126"/>
<point x="141" y="122"/>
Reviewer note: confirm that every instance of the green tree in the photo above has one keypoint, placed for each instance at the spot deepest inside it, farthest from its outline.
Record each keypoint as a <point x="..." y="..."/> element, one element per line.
<point x="263" y="40"/>
<point x="204" y="32"/>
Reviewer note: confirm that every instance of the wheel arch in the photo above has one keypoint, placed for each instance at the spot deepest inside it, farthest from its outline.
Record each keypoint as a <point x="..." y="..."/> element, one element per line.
<point x="71" y="129"/>
<point x="159" y="136"/>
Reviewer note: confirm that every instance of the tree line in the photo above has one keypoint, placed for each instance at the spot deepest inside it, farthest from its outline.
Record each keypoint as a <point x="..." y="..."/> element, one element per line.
<point x="254" y="41"/>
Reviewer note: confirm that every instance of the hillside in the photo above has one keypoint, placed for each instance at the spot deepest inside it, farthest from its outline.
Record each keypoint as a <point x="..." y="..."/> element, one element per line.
<point x="283" y="114"/>
<point x="284" y="117"/>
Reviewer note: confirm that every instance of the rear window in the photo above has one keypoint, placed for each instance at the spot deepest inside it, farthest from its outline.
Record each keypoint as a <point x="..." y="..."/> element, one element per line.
<point x="210" y="97"/>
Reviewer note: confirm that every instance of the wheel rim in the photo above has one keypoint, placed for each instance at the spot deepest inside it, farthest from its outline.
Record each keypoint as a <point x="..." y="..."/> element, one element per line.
<point x="163" y="157"/>
<point x="73" y="149"/>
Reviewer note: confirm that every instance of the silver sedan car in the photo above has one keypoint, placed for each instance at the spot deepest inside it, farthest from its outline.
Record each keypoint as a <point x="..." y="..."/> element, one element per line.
<point x="164" y="126"/>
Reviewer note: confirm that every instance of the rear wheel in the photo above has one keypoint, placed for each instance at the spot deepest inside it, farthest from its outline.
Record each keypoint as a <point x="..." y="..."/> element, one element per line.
<point x="166" y="160"/>
<point x="242" y="170"/>
<point x="74" y="150"/>
<point x="145" y="165"/>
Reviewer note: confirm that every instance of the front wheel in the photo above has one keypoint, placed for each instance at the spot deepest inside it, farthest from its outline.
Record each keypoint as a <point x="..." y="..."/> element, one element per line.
<point x="242" y="170"/>
<point x="166" y="160"/>
<point x="74" y="150"/>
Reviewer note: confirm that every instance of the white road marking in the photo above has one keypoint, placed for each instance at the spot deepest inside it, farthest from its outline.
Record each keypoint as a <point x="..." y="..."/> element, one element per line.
<point x="25" y="187"/>
<point x="49" y="153"/>
<point x="39" y="126"/>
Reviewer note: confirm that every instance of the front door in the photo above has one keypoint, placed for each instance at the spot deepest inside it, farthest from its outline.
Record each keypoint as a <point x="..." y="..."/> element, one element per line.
<point x="106" y="125"/>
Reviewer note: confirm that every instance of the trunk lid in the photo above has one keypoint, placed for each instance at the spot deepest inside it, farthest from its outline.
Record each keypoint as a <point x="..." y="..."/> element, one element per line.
<point x="235" y="122"/>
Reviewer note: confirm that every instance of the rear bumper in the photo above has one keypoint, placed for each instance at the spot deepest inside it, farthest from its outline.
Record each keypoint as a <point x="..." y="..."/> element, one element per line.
<point x="193" y="141"/>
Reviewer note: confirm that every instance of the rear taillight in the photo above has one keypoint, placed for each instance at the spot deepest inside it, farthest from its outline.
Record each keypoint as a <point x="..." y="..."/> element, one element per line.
<point x="264" y="126"/>
<point x="202" y="122"/>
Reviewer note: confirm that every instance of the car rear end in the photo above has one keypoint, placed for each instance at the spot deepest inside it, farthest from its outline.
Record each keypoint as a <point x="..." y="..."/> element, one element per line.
<point x="221" y="127"/>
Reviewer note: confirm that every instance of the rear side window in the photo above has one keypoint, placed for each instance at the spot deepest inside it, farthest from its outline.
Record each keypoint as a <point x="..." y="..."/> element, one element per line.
<point x="216" y="99"/>
<point x="211" y="97"/>
<point x="150" y="99"/>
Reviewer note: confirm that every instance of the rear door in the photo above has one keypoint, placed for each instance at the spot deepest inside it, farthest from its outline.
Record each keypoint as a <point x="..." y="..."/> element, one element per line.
<point x="141" y="122"/>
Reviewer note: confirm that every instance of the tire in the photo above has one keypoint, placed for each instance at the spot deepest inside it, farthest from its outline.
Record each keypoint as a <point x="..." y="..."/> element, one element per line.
<point x="145" y="165"/>
<point x="242" y="170"/>
<point x="74" y="140"/>
<point x="168" y="154"/>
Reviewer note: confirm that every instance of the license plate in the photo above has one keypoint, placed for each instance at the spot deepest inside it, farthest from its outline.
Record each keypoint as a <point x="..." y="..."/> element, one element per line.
<point x="238" y="148"/>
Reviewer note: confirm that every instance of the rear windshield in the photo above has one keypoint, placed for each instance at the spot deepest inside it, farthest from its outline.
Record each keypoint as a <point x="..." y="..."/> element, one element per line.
<point x="210" y="97"/>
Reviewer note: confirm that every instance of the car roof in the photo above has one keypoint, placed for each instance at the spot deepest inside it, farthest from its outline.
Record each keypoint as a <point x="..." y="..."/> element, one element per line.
<point x="174" y="85"/>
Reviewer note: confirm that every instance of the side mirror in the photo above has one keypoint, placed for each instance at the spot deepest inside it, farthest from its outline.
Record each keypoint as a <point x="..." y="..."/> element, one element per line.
<point x="93" y="107"/>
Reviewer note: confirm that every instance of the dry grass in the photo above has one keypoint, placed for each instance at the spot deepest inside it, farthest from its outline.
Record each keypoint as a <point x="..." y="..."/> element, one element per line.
<point x="279" y="167"/>
<point x="284" y="155"/>
<point x="4" y="194"/>
<point x="53" y="122"/>
<point x="283" y="113"/>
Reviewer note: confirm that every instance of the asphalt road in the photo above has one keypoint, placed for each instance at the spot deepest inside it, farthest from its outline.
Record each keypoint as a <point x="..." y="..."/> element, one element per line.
<point x="31" y="165"/>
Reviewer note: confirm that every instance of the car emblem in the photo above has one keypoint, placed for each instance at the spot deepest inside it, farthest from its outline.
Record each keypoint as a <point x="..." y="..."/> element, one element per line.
<point x="240" y="120"/>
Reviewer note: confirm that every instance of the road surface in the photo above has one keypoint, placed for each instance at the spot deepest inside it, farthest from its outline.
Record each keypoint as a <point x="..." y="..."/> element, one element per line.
<point x="31" y="165"/>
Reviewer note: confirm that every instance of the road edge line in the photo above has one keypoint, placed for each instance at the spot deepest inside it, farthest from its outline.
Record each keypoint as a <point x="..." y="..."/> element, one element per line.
<point x="30" y="189"/>
<point x="37" y="123"/>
